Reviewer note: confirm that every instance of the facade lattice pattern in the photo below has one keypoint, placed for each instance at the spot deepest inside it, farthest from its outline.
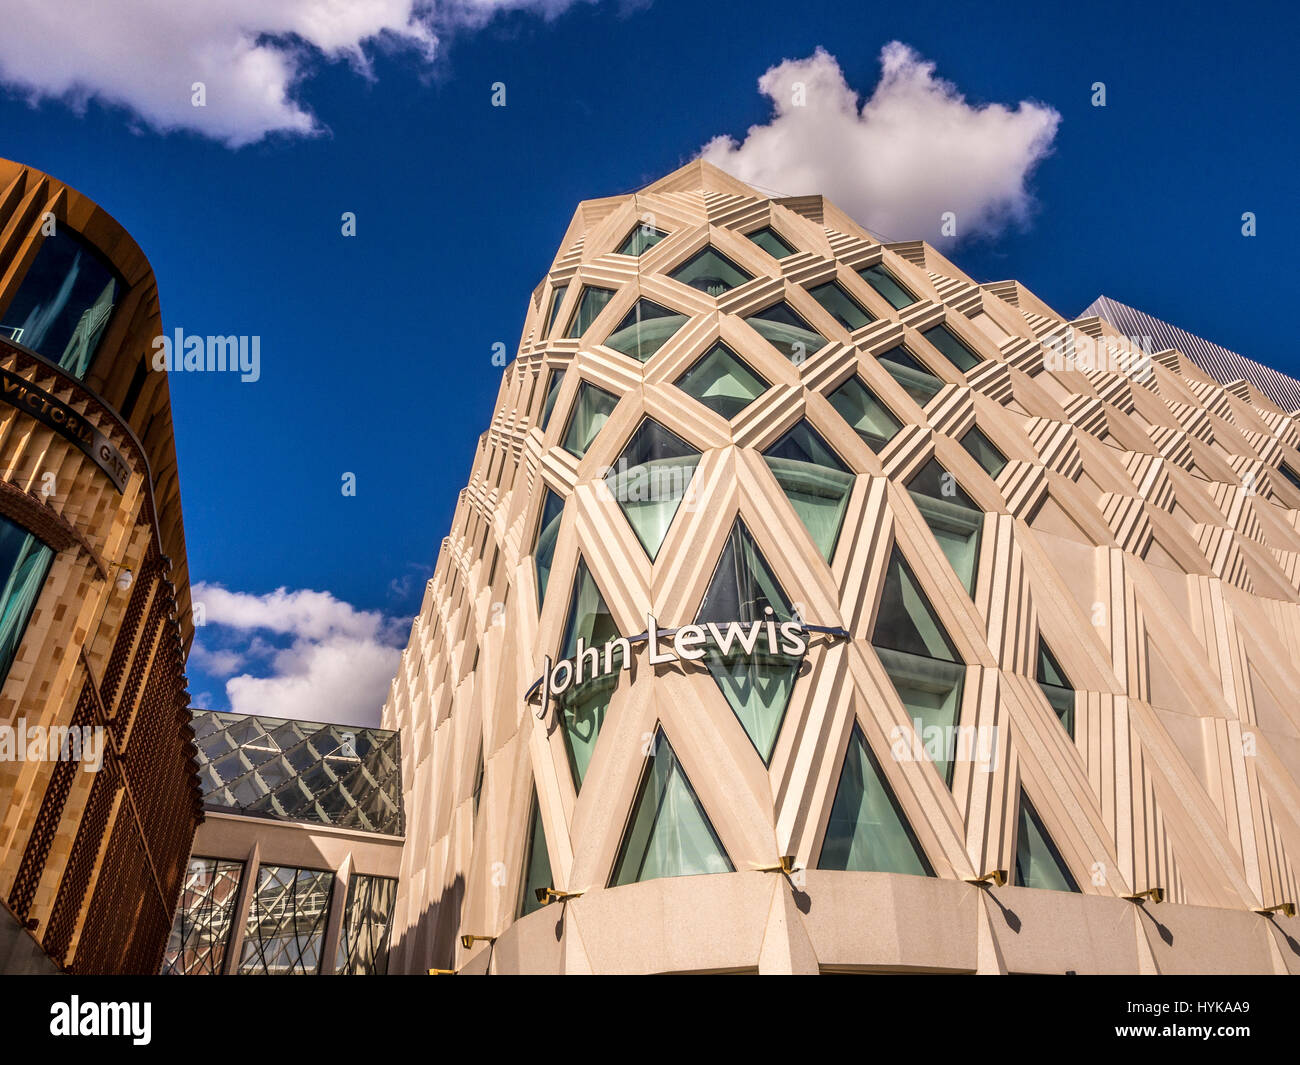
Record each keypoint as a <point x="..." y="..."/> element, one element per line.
<point x="1091" y="576"/>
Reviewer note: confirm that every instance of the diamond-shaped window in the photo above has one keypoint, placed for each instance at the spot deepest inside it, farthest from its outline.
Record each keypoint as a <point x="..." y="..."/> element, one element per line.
<point x="710" y="271"/>
<point x="552" y="393"/>
<point x="590" y="304"/>
<point x="590" y="413"/>
<point x="887" y="286"/>
<point x="815" y="481"/>
<point x="548" y="531"/>
<point x="863" y="410"/>
<point x="722" y="382"/>
<point x="640" y="240"/>
<point x="582" y="707"/>
<point x="917" y="381"/>
<point x="841" y="306"/>
<point x="757" y="683"/>
<point x="981" y="449"/>
<point x="1056" y="686"/>
<point x="781" y="326"/>
<point x="954" y="349"/>
<point x="921" y="661"/>
<point x="646" y="328"/>
<point x="905" y="620"/>
<point x="650" y="479"/>
<point x="557" y="297"/>
<point x="771" y="242"/>
<point x="952" y="516"/>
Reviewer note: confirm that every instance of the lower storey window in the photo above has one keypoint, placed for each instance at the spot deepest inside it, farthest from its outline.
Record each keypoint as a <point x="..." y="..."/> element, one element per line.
<point x="24" y="565"/>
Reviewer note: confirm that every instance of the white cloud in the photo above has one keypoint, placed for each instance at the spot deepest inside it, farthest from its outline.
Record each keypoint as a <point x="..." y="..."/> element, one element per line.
<point x="914" y="150"/>
<point x="340" y="679"/>
<point x="336" y="666"/>
<point x="144" y="55"/>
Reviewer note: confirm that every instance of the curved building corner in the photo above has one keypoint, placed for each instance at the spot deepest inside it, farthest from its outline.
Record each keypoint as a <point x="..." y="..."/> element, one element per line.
<point x="812" y="607"/>
<point x="99" y="797"/>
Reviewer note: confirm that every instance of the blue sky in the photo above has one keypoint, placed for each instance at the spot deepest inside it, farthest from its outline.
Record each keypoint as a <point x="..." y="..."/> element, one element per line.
<point x="376" y="350"/>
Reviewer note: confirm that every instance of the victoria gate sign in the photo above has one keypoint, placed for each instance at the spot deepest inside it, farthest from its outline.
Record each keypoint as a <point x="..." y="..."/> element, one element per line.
<point x="687" y="643"/>
<point x="69" y="423"/>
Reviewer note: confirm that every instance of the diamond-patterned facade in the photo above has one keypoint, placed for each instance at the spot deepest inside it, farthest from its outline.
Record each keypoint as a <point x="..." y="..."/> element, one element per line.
<point x="1141" y="525"/>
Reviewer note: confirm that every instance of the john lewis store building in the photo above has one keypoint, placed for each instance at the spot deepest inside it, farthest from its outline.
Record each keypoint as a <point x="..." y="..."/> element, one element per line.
<point x="805" y="612"/>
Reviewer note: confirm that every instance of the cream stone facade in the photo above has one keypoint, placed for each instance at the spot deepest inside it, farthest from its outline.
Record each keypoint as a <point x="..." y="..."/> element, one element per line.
<point x="1046" y="720"/>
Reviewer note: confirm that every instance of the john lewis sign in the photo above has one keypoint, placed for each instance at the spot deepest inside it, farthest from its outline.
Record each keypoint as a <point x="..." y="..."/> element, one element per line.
<point x="687" y="643"/>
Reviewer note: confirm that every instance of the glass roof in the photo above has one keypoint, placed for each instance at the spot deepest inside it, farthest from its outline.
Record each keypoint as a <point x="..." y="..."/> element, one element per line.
<point x="311" y="771"/>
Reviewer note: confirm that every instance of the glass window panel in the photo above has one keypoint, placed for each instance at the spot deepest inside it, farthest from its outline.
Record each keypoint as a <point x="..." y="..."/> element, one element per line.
<point x="200" y="933"/>
<point x="815" y="481"/>
<point x="757" y="686"/>
<point x="582" y="708"/>
<point x="557" y="297"/>
<point x="537" y="865"/>
<point x="952" y="516"/>
<point x="640" y="240"/>
<point x="710" y="271"/>
<point x="782" y="327"/>
<point x="722" y="382"/>
<point x="1289" y="474"/>
<point x="552" y="394"/>
<point x="590" y="304"/>
<point x="650" y="480"/>
<point x="367" y="926"/>
<point x="64" y="303"/>
<point x="286" y="921"/>
<point x="1061" y="701"/>
<point x="548" y="531"/>
<point x="981" y="449"/>
<point x="771" y="242"/>
<point x="860" y="407"/>
<point x="1049" y="672"/>
<point x="841" y="306"/>
<point x="887" y="286"/>
<point x="917" y="381"/>
<point x="590" y="413"/>
<point x="669" y="833"/>
<point x="905" y="620"/>
<point x="931" y="692"/>
<point x="646" y="329"/>
<point x="953" y="348"/>
<point x="1038" y="862"/>
<point x="1056" y="686"/>
<point x="867" y="831"/>
<point x="24" y="564"/>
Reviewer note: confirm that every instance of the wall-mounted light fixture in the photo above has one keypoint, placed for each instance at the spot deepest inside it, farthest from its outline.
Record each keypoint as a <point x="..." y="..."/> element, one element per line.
<point x="785" y="864"/>
<point x="469" y="941"/>
<point x="1286" y="909"/>
<point x="442" y="972"/>
<point x="996" y="877"/>
<point x="1155" y="894"/>
<point x="547" y="895"/>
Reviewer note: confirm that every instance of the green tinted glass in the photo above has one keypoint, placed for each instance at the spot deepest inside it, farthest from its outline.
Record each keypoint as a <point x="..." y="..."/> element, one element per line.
<point x="867" y="831"/>
<point x="722" y="382"/>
